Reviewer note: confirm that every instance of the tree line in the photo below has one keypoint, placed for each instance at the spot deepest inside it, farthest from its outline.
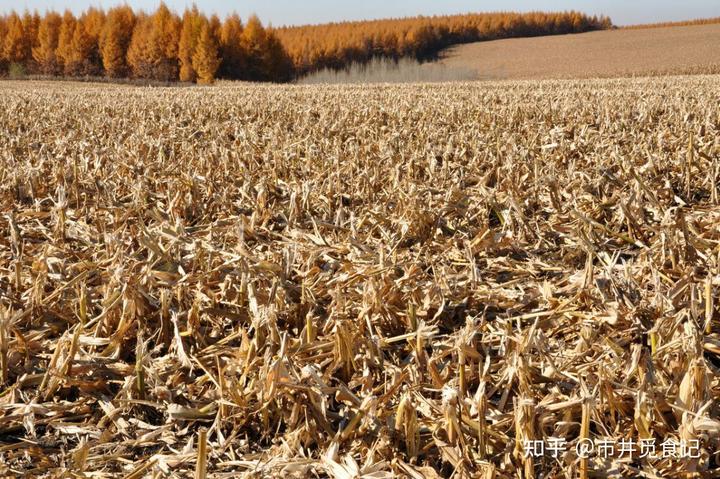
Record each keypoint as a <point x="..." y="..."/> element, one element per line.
<point x="192" y="47"/>
<point x="121" y="43"/>
<point x="336" y="45"/>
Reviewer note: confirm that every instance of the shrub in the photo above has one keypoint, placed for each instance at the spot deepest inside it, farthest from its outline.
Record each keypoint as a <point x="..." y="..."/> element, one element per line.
<point x="17" y="70"/>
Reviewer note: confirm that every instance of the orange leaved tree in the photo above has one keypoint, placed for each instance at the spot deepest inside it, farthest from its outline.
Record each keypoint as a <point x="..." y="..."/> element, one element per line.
<point x="232" y="49"/>
<point x="115" y="40"/>
<point x="205" y="60"/>
<point x="78" y="60"/>
<point x="16" y="47"/>
<point x="47" y="42"/>
<point x="153" y="49"/>
<point x="192" y="23"/>
<point x="65" y="38"/>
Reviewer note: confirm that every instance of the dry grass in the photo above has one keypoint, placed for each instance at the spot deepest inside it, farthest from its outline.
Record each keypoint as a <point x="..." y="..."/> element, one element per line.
<point x="385" y="281"/>
<point x="385" y="70"/>
<point x="609" y="53"/>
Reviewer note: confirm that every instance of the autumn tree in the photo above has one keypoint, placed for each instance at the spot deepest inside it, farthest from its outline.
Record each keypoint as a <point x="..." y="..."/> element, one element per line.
<point x="115" y="39"/>
<point x="165" y="35"/>
<point x="139" y="56"/>
<point x="48" y="36"/>
<point x="215" y="26"/>
<point x="153" y="49"/>
<point x="78" y="61"/>
<point x="93" y="21"/>
<point x="65" y="38"/>
<point x="265" y="56"/>
<point x="192" y="23"/>
<point x="278" y="66"/>
<point x="205" y="60"/>
<point x="232" y="49"/>
<point x="3" y="31"/>
<point x="31" y="26"/>
<point x="254" y="43"/>
<point x="16" y="47"/>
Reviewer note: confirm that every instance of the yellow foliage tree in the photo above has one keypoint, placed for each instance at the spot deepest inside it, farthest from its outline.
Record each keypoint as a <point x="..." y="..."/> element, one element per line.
<point x="153" y="51"/>
<point x="48" y="36"/>
<point x="115" y="39"/>
<point x="16" y="48"/>
<point x="65" y="38"/>
<point x="138" y="55"/>
<point x="232" y="49"/>
<point x="93" y="21"/>
<point x="215" y="27"/>
<point x="190" y="33"/>
<point x="164" y="37"/>
<point x="277" y="65"/>
<point x="254" y="43"/>
<point x="31" y="27"/>
<point x="205" y="59"/>
<point x="3" y="32"/>
<point x="78" y="60"/>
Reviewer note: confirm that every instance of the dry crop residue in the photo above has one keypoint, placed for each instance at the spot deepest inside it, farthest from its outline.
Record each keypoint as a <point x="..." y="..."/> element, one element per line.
<point x="357" y="281"/>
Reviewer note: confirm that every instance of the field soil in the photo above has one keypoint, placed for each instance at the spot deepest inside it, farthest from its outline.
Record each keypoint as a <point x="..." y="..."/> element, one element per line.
<point x="667" y="50"/>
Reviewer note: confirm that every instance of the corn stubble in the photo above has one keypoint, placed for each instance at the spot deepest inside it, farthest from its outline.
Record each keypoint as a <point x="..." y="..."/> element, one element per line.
<point x="387" y="281"/>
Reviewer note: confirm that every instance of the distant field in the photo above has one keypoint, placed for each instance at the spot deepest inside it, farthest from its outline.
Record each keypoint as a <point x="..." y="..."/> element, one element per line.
<point x="687" y="49"/>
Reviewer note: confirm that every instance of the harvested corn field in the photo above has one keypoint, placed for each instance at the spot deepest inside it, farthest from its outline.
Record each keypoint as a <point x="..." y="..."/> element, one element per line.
<point x="391" y="281"/>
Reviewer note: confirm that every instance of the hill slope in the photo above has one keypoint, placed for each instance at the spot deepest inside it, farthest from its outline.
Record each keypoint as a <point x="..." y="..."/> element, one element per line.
<point x="686" y="49"/>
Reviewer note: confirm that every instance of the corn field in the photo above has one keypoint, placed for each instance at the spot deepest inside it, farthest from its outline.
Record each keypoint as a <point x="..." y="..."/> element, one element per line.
<point x="358" y="281"/>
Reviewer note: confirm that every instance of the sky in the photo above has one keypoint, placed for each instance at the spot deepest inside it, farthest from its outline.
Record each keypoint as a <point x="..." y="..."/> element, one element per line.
<point x="293" y="12"/>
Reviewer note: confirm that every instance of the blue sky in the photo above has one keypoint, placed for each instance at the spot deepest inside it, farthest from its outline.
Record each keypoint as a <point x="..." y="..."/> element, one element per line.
<point x="281" y="12"/>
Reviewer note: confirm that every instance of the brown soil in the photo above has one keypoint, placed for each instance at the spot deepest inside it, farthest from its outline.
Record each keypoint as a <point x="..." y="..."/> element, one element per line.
<point x="689" y="49"/>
